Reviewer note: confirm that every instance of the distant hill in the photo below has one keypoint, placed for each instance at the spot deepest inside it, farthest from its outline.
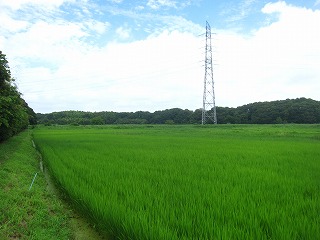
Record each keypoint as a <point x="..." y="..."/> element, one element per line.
<point x="300" y="110"/>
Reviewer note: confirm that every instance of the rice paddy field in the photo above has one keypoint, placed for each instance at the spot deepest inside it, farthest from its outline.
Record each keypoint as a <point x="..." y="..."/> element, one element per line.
<point x="190" y="182"/>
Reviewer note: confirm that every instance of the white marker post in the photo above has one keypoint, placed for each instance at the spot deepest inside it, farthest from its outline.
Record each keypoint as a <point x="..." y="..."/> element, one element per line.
<point x="33" y="181"/>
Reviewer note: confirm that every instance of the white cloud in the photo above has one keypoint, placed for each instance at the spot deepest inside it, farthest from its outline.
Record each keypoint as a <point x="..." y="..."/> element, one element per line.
<point x="179" y="23"/>
<point x="238" y="11"/>
<point x="274" y="7"/>
<point x="123" y="32"/>
<point x="139" y="8"/>
<point x="11" y="25"/>
<point x="96" y="26"/>
<point x="160" y="72"/>
<point x="277" y="61"/>
<point x="116" y="1"/>
<point x="18" y="4"/>
<point x="58" y="69"/>
<point x="156" y="4"/>
<point x="47" y="42"/>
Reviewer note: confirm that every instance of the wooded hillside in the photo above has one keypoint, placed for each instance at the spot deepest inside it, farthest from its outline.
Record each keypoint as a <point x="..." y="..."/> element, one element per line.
<point x="300" y="110"/>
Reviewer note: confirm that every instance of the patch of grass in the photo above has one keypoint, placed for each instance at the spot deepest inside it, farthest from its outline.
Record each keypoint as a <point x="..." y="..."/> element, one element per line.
<point x="24" y="214"/>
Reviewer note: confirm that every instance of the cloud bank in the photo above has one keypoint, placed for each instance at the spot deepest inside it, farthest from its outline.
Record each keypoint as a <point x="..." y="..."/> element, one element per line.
<point x="59" y="64"/>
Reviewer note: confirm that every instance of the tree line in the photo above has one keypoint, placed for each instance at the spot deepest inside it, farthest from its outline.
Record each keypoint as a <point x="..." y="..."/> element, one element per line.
<point x="15" y="114"/>
<point x="300" y="110"/>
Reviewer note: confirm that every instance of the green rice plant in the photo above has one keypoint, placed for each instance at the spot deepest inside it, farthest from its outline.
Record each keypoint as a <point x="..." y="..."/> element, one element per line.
<point x="190" y="182"/>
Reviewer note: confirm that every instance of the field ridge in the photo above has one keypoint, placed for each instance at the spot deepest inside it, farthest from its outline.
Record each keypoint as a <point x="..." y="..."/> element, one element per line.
<point x="38" y="213"/>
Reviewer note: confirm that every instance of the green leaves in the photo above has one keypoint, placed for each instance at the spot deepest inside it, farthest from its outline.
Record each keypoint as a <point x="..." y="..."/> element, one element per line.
<point x="13" y="112"/>
<point x="5" y="75"/>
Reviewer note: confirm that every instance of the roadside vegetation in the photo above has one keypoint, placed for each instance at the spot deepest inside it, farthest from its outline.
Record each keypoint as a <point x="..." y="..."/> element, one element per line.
<point x="190" y="182"/>
<point x="27" y="214"/>
<point x="42" y="212"/>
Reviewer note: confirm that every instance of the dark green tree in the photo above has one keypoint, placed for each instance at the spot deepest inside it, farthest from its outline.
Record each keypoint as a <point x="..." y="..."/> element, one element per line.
<point x="13" y="111"/>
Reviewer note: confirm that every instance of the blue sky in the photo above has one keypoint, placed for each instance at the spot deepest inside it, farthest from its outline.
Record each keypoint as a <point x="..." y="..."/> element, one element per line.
<point x="121" y="55"/>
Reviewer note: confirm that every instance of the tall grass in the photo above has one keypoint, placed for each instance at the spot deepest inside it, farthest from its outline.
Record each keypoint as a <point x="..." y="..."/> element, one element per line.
<point x="191" y="182"/>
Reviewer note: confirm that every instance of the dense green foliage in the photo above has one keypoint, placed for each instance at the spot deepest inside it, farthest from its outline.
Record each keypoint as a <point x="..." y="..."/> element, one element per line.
<point x="174" y="115"/>
<point x="35" y="214"/>
<point x="300" y="110"/>
<point x="15" y="114"/>
<point x="191" y="182"/>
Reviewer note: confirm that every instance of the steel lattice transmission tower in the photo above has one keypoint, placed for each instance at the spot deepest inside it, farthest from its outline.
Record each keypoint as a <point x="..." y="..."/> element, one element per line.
<point x="209" y="114"/>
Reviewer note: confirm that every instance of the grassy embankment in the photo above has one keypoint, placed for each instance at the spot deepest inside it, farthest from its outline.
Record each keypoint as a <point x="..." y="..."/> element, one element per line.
<point x="191" y="182"/>
<point x="36" y="213"/>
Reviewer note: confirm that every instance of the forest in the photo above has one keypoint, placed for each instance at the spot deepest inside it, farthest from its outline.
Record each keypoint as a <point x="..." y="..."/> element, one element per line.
<point x="300" y="110"/>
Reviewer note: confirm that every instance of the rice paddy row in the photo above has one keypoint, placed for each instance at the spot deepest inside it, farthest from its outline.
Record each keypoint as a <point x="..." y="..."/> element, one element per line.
<point x="190" y="182"/>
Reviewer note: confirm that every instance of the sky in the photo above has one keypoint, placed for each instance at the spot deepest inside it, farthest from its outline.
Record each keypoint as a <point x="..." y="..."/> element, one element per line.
<point x="148" y="55"/>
